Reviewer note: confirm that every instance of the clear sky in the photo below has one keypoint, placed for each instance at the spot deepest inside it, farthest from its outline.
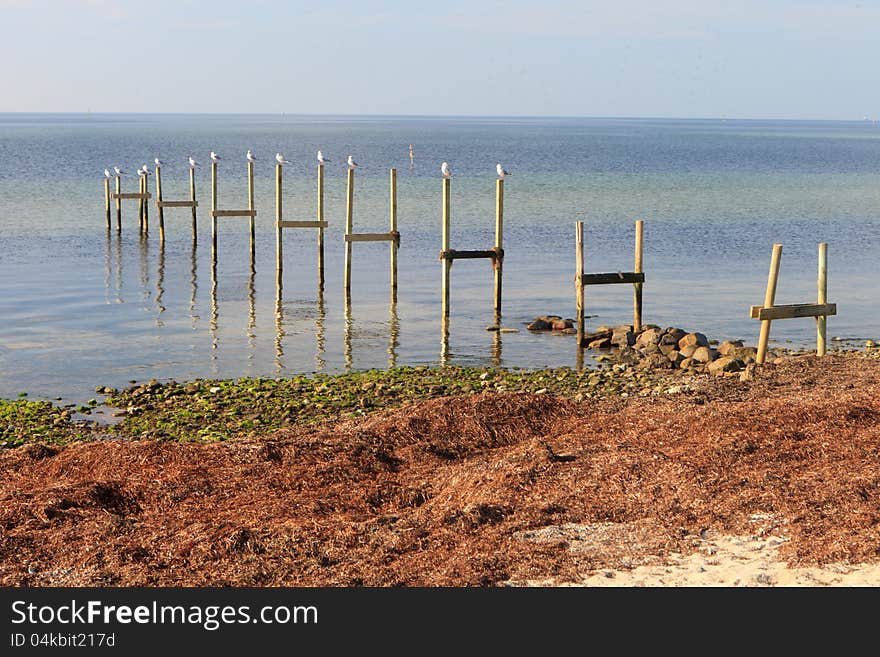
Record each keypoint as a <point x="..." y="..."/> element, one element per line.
<point x="811" y="59"/>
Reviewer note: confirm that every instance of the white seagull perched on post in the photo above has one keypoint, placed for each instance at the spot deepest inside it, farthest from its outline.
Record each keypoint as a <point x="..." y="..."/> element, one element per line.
<point x="158" y="162"/>
<point x="107" y="174"/>
<point x="192" y="163"/>
<point x="321" y="158"/>
<point x="214" y="157"/>
<point x="280" y="159"/>
<point x="444" y="169"/>
<point x="144" y="171"/>
<point x="501" y="172"/>
<point x="351" y="163"/>
<point x="250" y="156"/>
<point x="119" y="172"/>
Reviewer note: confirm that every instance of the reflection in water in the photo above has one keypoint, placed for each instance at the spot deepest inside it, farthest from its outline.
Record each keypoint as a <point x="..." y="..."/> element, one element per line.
<point x="320" y="363"/>
<point x="214" y="310"/>
<point x="252" y="314"/>
<point x="393" y="332"/>
<point x="279" y="327"/>
<point x="346" y="336"/>
<point x="444" y="340"/>
<point x="496" y="343"/>
<point x="194" y="285"/>
<point x="144" y="244"/>
<point x="119" y="298"/>
<point x="160" y="284"/>
<point x="108" y="267"/>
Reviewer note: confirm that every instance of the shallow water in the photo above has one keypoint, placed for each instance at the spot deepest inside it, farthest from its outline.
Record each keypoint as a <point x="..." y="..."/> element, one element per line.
<point x="81" y="307"/>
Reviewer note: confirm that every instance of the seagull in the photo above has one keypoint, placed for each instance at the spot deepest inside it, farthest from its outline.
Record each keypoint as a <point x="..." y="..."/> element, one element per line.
<point x="351" y="163"/>
<point x="107" y="174"/>
<point x="119" y="172"/>
<point x="192" y="163"/>
<point x="158" y="162"/>
<point x="145" y="171"/>
<point x="214" y="157"/>
<point x="321" y="158"/>
<point x="250" y="156"/>
<point x="280" y="159"/>
<point x="501" y="172"/>
<point x="444" y="169"/>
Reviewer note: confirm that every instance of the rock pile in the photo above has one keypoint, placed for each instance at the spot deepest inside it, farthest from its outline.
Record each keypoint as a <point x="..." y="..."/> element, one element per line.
<point x="670" y="348"/>
<point x="553" y="323"/>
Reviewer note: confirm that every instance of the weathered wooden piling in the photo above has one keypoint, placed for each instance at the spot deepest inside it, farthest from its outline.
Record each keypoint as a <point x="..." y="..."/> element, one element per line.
<point x="349" y="204"/>
<point x="192" y="197"/>
<point x="279" y="249"/>
<point x="107" y="200"/>
<point x="215" y="212"/>
<point x="822" y="298"/>
<point x="636" y="278"/>
<point x="499" y="237"/>
<point x="146" y="205"/>
<point x="281" y="224"/>
<point x="321" y="223"/>
<point x="392" y="236"/>
<point x="214" y="205"/>
<point x="160" y="210"/>
<point x="118" y="203"/>
<point x="444" y="246"/>
<point x="769" y="311"/>
<point x="251" y="207"/>
<point x="769" y="298"/>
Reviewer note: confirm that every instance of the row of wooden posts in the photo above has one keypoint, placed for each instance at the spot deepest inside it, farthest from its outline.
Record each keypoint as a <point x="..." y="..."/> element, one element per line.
<point x="447" y="255"/>
<point x="765" y="313"/>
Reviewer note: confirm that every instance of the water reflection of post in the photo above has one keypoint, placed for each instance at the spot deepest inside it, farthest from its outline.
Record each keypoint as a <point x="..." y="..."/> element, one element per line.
<point x="444" y="340"/>
<point x="496" y="343"/>
<point x="279" y="328"/>
<point x="252" y="311"/>
<point x="214" y="309"/>
<point x="194" y="284"/>
<point x="320" y="363"/>
<point x="160" y="284"/>
<point x="118" y="268"/>
<point x="393" y="330"/>
<point x="145" y="273"/>
<point x="108" y="262"/>
<point x="347" y="332"/>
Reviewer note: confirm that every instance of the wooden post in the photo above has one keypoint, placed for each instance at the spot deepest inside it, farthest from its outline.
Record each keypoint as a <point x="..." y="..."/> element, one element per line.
<point x="146" y="204"/>
<point x="321" y="227"/>
<point x="579" y="278"/>
<point x="769" y="298"/>
<point x="192" y="197"/>
<point x="349" y="201"/>
<point x="821" y="321"/>
<point x="107" y="200"/>
<point x="444" y="246"/>
<point x="499" y="238"/>
<point x="251" y="207"/>
<point x="278" y="245"/>
<point x="213" y="205"/>
<point x="637" y="287"/>
<point x="393" y="203"/>
<point x="118" y="204"/>
<point x="141" y="204"/>
<point x="159" y="209"/>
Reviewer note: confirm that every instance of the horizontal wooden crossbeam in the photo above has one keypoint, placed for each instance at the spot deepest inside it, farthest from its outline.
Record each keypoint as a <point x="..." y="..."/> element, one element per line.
<point x="793" y="310"/>
<point x="302" y="224"/>
<point x="177" y="204"/>
<point x="371" y="237"/>
<point x="616" y="277"/>
<point x="452" y="254"/>
<point x="233" y="213"/>
<point x="132" y="195"/>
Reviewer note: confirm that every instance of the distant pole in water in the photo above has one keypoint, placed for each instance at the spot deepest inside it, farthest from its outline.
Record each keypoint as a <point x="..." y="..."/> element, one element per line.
<point x="251" y="207"/>
<point x="444" y="246"/>
<point x="321" y="226"/>
<point x="349" y="203"/>
<point x="118" y="204"/>
<point x="192" y="197"/>
<point x="160" y="211"/>
<point x="279" y="260"/>
<point x="394" y="241"/>
<point x="821" y="321"/>
<point x="637" y="287"/>
<point x="213" y="205"/>
<point x="145" y="184"/>
<point x="498" y="262"/>
<point x="107" y="200"/>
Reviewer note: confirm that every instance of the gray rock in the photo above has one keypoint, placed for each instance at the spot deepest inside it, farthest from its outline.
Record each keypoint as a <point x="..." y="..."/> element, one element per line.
<point x="601" y="343"/>
<point x="540" y="324"/>
<point x="724" y="364"/>
<point x="697" y="339"/>
<point x="623" y="338"/>
<point x="728" y="345"/>
<point x="649" y="336"/>
<point x="704" y="354"/>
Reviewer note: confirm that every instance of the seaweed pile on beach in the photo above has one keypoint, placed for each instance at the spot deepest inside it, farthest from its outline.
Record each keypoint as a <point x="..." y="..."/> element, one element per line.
<point x="443" y="490"/>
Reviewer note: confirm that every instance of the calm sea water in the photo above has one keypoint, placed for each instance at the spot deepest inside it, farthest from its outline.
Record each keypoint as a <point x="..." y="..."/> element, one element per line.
<point x="81" y="307"/>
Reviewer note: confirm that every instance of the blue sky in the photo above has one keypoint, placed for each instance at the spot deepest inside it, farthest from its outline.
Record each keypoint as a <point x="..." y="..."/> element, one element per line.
<point x="809" y="59"/>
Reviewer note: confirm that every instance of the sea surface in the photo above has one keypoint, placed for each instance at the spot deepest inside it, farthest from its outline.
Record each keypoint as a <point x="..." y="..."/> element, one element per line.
<point x="82" y="306"/>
